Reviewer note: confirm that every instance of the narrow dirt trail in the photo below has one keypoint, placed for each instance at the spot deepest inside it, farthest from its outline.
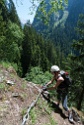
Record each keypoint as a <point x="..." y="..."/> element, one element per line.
<point x="59" y="115"/>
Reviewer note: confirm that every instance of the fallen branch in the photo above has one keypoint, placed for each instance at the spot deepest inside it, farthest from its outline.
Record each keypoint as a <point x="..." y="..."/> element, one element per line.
<point x="26" y="116"/>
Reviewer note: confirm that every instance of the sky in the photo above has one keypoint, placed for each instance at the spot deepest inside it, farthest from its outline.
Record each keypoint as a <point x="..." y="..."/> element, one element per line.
<point x="23" y="10"/>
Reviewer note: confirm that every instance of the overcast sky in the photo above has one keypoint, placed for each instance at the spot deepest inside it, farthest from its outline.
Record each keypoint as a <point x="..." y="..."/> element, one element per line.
<point x="22" y="7"/>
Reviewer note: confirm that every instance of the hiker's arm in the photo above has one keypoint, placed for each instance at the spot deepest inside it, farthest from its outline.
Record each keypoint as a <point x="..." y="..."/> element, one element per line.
<point x="50" y="82"/>
<point x="45" y="87"/>
<point x="59" y="81"/>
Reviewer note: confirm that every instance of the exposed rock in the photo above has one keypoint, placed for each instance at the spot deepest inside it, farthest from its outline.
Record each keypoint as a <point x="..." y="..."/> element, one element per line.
<point x="77" y="116"/>
<point x="9" y="82"/>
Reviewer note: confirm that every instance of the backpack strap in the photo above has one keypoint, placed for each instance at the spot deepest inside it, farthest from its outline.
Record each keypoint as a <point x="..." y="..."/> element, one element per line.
<point x="57" y="77"/>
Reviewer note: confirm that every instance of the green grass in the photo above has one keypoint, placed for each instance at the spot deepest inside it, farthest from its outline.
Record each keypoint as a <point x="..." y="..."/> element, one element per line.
<point x="33" y="116"/>
<point x="3" y="87"/>
<point x="7" y="64"/>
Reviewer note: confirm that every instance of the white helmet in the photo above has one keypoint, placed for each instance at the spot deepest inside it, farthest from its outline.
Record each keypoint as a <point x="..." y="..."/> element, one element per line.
<point x="55" y="68"/>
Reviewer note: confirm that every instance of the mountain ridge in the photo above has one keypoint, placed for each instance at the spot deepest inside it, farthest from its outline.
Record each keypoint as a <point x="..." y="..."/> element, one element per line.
<point x="63" y="21"/>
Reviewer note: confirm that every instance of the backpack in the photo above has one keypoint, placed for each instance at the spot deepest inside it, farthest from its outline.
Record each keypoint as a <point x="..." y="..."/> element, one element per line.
<point x="67" y="80"/>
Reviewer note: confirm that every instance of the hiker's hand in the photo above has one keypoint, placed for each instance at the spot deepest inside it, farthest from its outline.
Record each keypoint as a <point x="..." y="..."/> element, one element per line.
<point x="44" y="88"/>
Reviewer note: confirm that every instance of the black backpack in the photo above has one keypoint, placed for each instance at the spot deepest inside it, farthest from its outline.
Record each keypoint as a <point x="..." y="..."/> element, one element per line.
<point x="67" y="80"/>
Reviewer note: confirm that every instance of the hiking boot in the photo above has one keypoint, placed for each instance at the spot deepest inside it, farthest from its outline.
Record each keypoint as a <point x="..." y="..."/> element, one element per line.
<point x="65" y="113"/>
<point x="71" y="118"/>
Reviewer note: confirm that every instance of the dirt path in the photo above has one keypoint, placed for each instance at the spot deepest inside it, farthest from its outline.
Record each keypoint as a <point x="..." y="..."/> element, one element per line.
<point x="59" y="114"/>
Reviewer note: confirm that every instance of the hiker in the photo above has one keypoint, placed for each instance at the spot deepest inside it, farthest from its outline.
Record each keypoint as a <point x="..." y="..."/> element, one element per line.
<point x="62" y="91"/>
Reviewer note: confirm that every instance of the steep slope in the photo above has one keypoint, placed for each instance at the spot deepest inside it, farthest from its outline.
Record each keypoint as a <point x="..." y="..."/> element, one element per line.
<point x="17" y="95"/>
<point x="62" y="23"/>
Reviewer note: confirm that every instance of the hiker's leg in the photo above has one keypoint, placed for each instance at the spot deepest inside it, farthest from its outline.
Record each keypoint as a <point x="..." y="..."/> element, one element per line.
<point x="58" y="97"/>
<point x="64" y="102"/>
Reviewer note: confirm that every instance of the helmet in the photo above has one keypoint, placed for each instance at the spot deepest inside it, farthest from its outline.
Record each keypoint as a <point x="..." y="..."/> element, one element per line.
<point x="55" y="68"/>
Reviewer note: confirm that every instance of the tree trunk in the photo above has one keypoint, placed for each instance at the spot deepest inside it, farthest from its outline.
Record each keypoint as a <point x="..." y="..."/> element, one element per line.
<point x="80" y="99"/>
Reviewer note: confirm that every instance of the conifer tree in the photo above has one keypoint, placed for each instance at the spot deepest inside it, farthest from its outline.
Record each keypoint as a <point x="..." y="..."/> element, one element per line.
<point x="78" y="63"/>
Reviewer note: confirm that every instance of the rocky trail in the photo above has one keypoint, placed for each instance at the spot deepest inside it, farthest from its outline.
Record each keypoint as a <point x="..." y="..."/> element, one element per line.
<point x="19" y="97"/>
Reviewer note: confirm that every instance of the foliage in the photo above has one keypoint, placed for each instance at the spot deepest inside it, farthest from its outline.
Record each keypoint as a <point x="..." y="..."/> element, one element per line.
<point x="37" y="76"/>
<point x="46" y="13"/>
<point x="2" y="29"/>
<point x="12" y="13"/>
<point x="12" y="45"/>
<point x="11" y="34"/>
<point x="78" y="64"/>
<point x="37" y="51"/>
<point x="7" y="64"/>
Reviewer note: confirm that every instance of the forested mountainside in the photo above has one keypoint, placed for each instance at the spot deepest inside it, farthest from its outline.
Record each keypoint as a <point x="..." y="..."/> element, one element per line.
<point x="61" y="28"/>
<point x="22" y="46"/>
